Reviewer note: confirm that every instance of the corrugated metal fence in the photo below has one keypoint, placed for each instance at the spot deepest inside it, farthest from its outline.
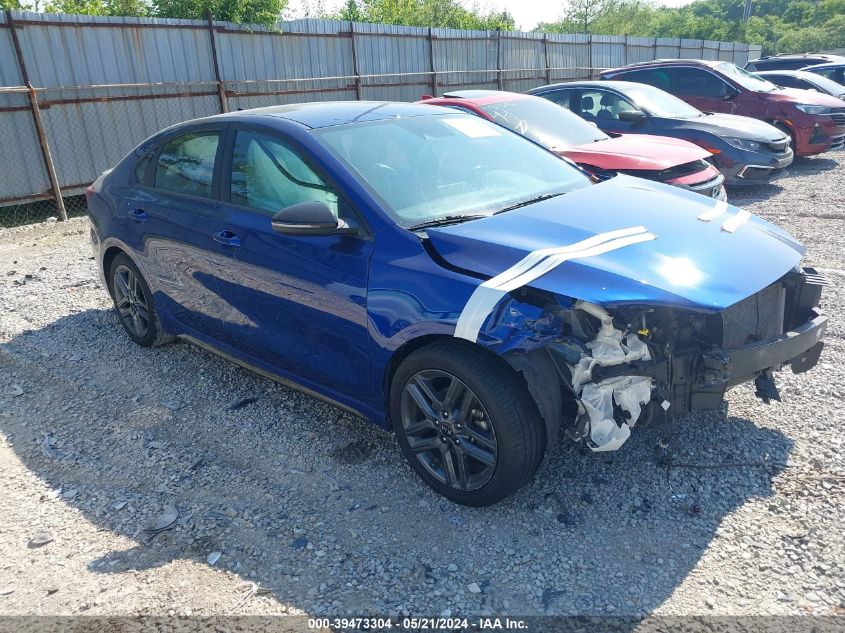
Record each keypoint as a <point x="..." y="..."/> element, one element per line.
<point x="79" y="92"/>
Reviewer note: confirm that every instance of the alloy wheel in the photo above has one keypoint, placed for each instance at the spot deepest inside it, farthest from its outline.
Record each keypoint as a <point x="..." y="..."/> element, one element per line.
<point x="448" y="429"/>
<point x="130" y="301"/>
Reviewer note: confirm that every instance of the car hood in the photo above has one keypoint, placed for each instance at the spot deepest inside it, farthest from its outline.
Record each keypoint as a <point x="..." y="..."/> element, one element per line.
<point x="796" y="95"/>
<point x="690" y="263"/>
<point x="732" y="125"/>
<point x="635" y="151"/>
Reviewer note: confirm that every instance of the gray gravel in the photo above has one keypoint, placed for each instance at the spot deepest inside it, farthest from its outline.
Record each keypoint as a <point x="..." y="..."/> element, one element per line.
<point x="149" y="481"/>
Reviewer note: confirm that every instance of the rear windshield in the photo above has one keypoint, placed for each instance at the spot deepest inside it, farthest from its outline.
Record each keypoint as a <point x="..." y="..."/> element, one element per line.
<point x="544" y="122"/>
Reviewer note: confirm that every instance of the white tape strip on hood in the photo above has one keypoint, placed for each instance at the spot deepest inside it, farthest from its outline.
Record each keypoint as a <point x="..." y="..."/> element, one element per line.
<point x="720" y="208"/>
<point x="736" y="221"/>
<point x="535" y="264"/>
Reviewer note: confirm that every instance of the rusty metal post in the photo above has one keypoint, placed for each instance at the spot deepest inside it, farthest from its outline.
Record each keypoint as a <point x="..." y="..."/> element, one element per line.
<point x="355" y="61"/>
<point x="221" y="87"/>
<point x="500" y="81"/>
<point x="39" y="123"/>
<point x="546" y="55"/>
<point x="431" y="62"/>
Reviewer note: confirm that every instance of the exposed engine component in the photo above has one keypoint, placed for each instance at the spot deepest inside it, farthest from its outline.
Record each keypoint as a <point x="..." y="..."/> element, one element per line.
<point x="628" y="393"/>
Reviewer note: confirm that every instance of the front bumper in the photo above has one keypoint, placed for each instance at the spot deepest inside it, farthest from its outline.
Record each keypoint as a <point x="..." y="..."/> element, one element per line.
<point x="753" y="168"/>
<point x="799" y="348"/>
<point x="824" y="136"/>
<point x="711" y="186"/>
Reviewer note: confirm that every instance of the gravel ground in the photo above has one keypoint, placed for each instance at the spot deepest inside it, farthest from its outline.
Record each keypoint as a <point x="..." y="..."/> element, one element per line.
<point x="288" y="505"/>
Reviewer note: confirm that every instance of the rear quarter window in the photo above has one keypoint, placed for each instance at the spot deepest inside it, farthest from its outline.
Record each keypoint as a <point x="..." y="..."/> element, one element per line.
<point x="141" y="170"/>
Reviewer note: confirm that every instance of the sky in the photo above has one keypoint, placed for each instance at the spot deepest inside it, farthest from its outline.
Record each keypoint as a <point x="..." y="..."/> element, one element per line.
<point x="527" y="13"/>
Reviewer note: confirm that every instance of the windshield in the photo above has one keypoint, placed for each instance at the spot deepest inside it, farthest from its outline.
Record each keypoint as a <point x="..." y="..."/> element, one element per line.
<point x="426" y="168"/>
<point x="745" y="78"/>
<point x="660" y="103"/>
<point x="544" y="122"/>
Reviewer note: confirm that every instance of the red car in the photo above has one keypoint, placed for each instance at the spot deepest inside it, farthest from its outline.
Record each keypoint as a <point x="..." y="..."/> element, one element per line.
<point x="672" y="161"/>
<point x="814" y="122"/>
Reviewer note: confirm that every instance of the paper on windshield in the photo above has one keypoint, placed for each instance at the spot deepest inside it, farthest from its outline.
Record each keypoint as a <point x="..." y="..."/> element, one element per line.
<point x="473" y="128"/>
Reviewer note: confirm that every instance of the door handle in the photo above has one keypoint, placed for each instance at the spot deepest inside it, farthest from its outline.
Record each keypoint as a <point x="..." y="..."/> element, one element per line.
<point x="139" y="215"/>
<point x="226" y="238"/>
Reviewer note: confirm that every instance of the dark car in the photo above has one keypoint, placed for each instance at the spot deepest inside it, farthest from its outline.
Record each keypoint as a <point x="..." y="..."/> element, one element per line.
<point x="663" y="159"/>
<point x="791" y="62"/>
<point x="745" y="150"/>
<point x="834" y="71"/>
<point x="448" y="279"/>
<point x="803" y="80"/>
<point x="814" y="122"/>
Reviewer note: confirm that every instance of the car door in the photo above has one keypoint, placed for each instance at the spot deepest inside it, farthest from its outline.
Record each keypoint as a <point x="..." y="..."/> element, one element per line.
<point x="177" y="197"/>
<point x="703" y="89"/>
<point x="295" y="304"/>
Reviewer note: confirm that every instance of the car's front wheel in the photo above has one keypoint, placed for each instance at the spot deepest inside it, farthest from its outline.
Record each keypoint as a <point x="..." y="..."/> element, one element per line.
<point x="466" y="423"/>
<point x="133" y="302"/>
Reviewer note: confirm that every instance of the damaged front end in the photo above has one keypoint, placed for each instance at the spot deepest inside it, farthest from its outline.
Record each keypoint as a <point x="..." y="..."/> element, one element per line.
<point x="599" y="371"/>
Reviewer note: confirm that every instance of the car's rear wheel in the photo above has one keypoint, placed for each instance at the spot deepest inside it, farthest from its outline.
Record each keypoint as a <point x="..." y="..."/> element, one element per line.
<point x="466" y="423"/>
<point x="133" y="303"/>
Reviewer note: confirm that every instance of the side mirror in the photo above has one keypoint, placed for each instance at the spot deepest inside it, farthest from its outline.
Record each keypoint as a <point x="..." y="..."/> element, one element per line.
<point x="632" y="116"/>
<point x="310" y="218"/>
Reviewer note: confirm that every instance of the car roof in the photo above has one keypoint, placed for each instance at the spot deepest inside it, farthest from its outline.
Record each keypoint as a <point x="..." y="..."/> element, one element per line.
<point x="800" y="74"/>
<point x="330" y="113"/>
<point x="829" y="56"/>
<point x="484" y="96"/>
<point x="712" y="63"/>
<point x="825" y="65"/>
<point x="621" y="86"/>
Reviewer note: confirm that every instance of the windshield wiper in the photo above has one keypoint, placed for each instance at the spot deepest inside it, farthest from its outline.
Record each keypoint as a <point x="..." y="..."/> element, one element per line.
<point x="447" y="219"/>
<point x="525" y="203"/>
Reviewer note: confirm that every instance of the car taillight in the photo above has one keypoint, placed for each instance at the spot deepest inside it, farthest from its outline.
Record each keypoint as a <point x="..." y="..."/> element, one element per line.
<point x="94" y="187"/>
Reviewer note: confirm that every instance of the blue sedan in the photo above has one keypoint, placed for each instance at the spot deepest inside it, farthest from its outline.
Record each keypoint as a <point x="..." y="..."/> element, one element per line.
<point x="449" y="280"/>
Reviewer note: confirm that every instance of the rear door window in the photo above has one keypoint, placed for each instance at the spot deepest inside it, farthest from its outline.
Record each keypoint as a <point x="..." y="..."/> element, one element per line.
<point x="560" y="97"/>
<point x="186" y="164"/>
<point x="657" y="77"/>
<point x="696" y="82"/>
<point x="787" y="81"/>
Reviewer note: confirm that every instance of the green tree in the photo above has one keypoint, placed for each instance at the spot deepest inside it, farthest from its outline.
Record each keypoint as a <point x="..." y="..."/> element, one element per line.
<point x="265" y="12"/>
<point x="435" y="13"/>
<point x="779" y="26"/>
<point x="137" y="8"/>
<point x="583" y="13"/>
<point x="351" y="12"/>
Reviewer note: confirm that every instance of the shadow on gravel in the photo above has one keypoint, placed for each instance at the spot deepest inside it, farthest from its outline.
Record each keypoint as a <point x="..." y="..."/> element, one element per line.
<point x="804" y="165"/>
<point x="319" y="508"/>
<point x="755" y="193"/>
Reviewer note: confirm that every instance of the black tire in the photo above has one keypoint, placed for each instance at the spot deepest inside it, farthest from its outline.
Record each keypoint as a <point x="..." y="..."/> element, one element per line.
<point x="132" y="298"/>
<point x="785" y="129"/>
<point x="495" y="407"/>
